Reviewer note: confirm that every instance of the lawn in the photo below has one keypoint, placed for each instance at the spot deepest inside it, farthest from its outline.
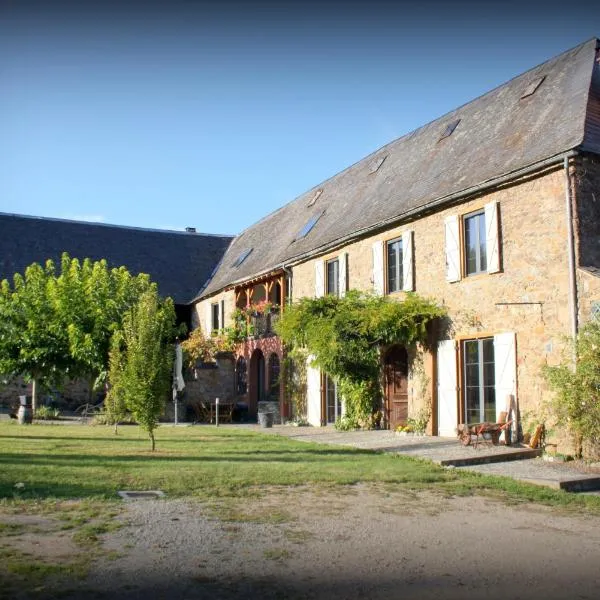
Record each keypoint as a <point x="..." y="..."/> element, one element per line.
<point x="58" y="462"/>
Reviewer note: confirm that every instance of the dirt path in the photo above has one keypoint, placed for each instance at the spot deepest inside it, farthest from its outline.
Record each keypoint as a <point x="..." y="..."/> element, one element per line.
<point x="362" y="543"/>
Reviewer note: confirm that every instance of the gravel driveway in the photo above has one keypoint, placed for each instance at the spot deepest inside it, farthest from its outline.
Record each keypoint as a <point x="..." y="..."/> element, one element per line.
<point x="363" y="542"/>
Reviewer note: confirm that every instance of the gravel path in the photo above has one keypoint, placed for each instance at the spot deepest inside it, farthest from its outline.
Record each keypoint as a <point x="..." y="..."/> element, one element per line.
<point x="370" y="543"/>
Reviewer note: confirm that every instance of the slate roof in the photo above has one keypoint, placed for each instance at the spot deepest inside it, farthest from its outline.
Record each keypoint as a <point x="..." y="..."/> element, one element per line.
<point x="177" y="261"/>
<point x="498" y="134"/>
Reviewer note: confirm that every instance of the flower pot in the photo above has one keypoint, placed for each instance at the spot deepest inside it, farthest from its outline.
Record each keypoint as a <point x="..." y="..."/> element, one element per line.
<point x="265" y="419"/>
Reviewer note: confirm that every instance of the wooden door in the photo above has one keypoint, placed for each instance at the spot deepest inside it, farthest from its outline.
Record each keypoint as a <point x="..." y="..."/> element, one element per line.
<point x="396" y="384"/>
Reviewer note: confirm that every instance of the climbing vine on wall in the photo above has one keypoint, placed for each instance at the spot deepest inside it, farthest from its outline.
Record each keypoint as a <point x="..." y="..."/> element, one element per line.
<point x="344" y="337"/>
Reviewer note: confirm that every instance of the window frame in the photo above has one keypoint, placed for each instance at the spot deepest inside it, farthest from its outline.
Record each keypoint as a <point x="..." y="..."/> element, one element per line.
<point x="332" y="283"/>
<point x="481" y="383"/>
<point x="478" y="214"/>
<point x="215" y="311"/>
<point x="399" y="264"/>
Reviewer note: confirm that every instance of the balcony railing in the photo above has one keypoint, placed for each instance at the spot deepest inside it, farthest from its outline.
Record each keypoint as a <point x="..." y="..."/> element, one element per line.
<point x="263" y="324"/>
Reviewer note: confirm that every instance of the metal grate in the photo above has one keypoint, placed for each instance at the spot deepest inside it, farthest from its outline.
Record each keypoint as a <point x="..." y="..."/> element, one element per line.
<point x="131" y="495"/>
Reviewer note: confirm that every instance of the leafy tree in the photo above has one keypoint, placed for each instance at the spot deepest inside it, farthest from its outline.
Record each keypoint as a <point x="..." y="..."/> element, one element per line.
<point x="141" y="360"/>
<point x="577" y="400"/>
<point x="53" y="327"/>
<point x="344" y="336"/>
<point x="32" y="342"/>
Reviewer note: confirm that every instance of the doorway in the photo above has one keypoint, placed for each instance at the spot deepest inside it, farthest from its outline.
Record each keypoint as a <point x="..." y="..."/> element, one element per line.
<point x="396" y="386"/>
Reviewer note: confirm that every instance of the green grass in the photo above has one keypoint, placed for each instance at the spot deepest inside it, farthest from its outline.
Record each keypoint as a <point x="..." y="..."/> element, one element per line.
<point x="60" y="462"/>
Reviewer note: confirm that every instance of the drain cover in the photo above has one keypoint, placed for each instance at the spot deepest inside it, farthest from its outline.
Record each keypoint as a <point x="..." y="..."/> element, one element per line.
<point x="139" y="495"/>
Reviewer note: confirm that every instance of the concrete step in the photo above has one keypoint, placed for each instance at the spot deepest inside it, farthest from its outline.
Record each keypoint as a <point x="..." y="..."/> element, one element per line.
<point x="580" y="483"/>
<point x="495" y="457"/>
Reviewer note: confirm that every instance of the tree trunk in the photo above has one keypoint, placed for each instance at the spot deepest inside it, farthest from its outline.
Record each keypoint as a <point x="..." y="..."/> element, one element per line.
<point x="33" y="396"/>
<point x="151" y="433"/>
<point x="116" y="426"/>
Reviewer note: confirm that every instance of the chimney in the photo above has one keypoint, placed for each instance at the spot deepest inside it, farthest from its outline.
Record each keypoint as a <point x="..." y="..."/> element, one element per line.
<point x="190" y="229"/>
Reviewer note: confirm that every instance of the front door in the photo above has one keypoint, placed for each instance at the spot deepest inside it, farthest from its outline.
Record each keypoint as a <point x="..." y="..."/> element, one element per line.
<point x="396" y="386"/>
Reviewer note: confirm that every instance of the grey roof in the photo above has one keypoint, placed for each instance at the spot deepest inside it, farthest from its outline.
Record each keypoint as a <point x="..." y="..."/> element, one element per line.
<point x="177" y="261"/>
<point x="499" y="133"/>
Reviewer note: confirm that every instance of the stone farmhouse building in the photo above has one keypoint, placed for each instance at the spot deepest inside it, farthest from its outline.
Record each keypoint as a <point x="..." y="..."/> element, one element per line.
<point x="492" y="210"/>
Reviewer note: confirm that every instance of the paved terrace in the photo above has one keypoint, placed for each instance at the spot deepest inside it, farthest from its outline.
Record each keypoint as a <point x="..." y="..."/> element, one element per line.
<point x="520" y="463"/>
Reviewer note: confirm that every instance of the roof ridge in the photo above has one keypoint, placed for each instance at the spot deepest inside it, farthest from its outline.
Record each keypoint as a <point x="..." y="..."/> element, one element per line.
<point x="114" y="226"/>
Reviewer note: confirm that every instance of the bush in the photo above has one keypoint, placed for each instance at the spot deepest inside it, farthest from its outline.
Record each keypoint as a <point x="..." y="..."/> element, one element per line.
<point x="46" y="413"/>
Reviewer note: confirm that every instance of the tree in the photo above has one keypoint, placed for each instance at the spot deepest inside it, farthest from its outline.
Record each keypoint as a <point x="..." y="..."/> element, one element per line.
<point x="141" y="360"/>
<point x="577" y="400"/>
<point x="57" y="327"/>
<point x="344" y="337"/>
<point x="32" y="342"/>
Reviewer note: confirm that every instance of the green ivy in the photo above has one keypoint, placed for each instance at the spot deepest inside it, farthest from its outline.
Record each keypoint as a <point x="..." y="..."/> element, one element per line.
<point x="577" y="401"/>
<point x="344" y="336"/>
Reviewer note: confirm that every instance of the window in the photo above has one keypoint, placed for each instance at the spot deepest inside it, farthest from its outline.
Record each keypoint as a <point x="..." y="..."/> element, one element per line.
<point x="274" y="370"/>
<point x="241" y="379"/>
<point x="333" y="404"/>
<point x="394" y="266"/>
<point x="308" y="227"/>
<point x="479" y="380"/>
<point x="475" y="243"/>
<point x="242" y="257"/>
<point x="449" y="129"/>
<point x="215" y="316"/>
<point x="333" y="277"/>
<point x="313" y="200"/>
<point x="532" y="87"/>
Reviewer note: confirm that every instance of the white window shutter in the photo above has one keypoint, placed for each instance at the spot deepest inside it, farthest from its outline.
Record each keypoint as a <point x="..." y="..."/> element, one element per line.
<point x="222" y="315"/>
<point x="452" y="249"/>
<point x="408" y="276"/>
<point x="343" y="273"/>
<point x="313" y="393"/>
<point x="208" y="329"/>
<point x="319" y="278"/>
<point x="505" y="370"/>
<point x="492" y="237"/>
<point x="447" y="388"/>
<point x="378" y="285"/>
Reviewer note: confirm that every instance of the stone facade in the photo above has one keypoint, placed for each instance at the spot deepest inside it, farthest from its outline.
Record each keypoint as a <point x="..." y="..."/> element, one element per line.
<point x="528" y="296"/>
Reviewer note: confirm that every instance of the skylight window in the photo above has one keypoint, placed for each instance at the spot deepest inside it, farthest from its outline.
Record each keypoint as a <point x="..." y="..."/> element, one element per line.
<point x="375" y="164"/>
<point x="532" y="87"/>
<point x="449" y="129"/>
<point x="308" y="227"/>
<point x="315" y="197"/>
<point x="242" y="257"/>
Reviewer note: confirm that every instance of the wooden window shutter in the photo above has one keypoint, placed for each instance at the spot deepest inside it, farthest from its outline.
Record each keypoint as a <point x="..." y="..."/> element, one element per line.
<point x="408" y="276"/>
<point x="447" y="388"/>
<point x="319" y="278"/>
<point x="222" y="315"/>
<point x="343" y="273"/>
<point x="492" y="237"/>
<point x="378" y="279"/>
<point x="452" y="248"/>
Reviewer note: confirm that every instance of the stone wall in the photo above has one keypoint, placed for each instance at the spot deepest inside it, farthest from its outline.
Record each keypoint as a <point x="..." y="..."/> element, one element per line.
<point x="529" y="295"/>
<point x="200" y="310"/>
<point x="586" y="188"/>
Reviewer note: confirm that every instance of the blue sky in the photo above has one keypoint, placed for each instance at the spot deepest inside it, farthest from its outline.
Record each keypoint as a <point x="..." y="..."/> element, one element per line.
<point x="212" y="115"/>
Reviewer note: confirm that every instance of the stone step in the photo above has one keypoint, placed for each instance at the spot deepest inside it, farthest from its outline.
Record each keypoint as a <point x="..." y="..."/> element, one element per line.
<point x="580" y="483"/>
<point x="482" y="459"/>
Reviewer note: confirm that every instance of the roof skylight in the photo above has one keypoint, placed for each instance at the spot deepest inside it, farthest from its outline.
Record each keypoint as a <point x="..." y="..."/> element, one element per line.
<point x="242" y="257"/>
<point x="308" y="227"/>
<point x="315" y="197"/>
<point x="449" y="129"/>
<point x="376" y="163"/>
<point x="532" y="87"/>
